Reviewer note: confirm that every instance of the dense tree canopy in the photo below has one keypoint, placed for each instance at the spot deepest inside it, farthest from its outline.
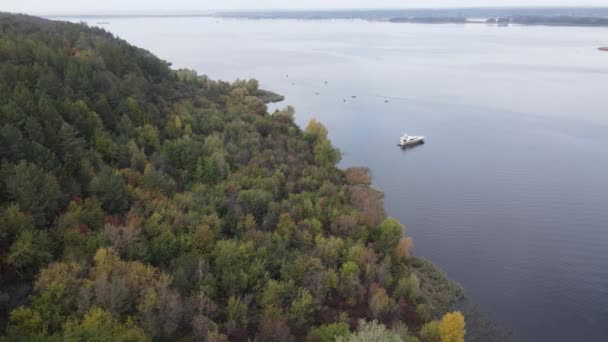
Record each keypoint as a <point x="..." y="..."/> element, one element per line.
<point x="142" y="203"/>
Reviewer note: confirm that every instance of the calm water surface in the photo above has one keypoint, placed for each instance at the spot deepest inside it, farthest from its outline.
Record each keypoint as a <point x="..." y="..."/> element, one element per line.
<point x="509" y="195"/>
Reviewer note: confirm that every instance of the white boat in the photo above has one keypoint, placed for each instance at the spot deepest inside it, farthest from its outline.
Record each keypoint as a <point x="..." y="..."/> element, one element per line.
<point x="409" y="140"/>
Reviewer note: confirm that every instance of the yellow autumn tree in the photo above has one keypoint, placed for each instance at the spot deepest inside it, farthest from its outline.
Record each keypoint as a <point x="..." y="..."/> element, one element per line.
<point x="324" y="153"/>
<point x="316" y="131"/>
<point x="452" y="327"/>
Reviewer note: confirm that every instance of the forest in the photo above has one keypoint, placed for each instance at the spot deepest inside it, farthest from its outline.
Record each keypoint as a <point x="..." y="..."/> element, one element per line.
<point x="143" y="203"/>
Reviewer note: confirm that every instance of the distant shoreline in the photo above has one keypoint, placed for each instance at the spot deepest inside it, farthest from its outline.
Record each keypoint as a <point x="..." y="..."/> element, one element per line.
<point x="505" y="21"/>
<point x="603" y="49"/>
<point x="558" y="16"/>
<point x="501" y="16"/>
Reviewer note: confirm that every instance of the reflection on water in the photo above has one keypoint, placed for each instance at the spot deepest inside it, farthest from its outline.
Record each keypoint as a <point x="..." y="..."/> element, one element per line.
<point x="410" y="147"/>
<point x="509" y="196"/>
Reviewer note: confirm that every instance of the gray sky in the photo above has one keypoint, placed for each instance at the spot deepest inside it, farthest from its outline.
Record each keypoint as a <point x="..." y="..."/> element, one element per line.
<point x="62" y="6"/>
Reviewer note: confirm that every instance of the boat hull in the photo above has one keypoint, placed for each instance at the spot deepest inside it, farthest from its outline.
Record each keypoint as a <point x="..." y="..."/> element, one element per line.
<point x="411" y="143"/>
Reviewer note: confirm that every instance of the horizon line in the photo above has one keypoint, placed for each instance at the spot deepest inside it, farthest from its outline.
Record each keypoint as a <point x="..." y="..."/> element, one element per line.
<point x="212" y="11"/>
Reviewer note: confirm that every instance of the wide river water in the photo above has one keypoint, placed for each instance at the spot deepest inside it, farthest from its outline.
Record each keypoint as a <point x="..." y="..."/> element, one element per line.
<point x="509" y="196"/>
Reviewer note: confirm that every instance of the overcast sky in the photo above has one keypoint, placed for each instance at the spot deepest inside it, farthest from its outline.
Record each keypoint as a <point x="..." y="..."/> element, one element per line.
<point x="59" y="6"/>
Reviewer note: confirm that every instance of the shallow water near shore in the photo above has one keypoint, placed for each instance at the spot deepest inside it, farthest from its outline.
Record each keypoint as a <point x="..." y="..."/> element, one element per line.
<point x="509" y="194"/>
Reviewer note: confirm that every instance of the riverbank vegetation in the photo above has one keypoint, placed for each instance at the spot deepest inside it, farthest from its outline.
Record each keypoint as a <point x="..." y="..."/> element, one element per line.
<point x="143" y="203"/>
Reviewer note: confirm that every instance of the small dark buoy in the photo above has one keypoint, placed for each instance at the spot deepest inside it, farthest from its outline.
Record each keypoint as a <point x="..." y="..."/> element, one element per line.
<point x="354" y="97"/>
<point x="316" y="93"/>
<point x="385" y="101"/>
<point x="344" y="100"/>
<point x="325" y="82"/>
<point x="293" y="84"/>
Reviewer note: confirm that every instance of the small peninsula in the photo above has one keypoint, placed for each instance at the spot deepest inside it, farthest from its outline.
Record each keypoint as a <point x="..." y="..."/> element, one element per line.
<point x="269" y="97"/>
